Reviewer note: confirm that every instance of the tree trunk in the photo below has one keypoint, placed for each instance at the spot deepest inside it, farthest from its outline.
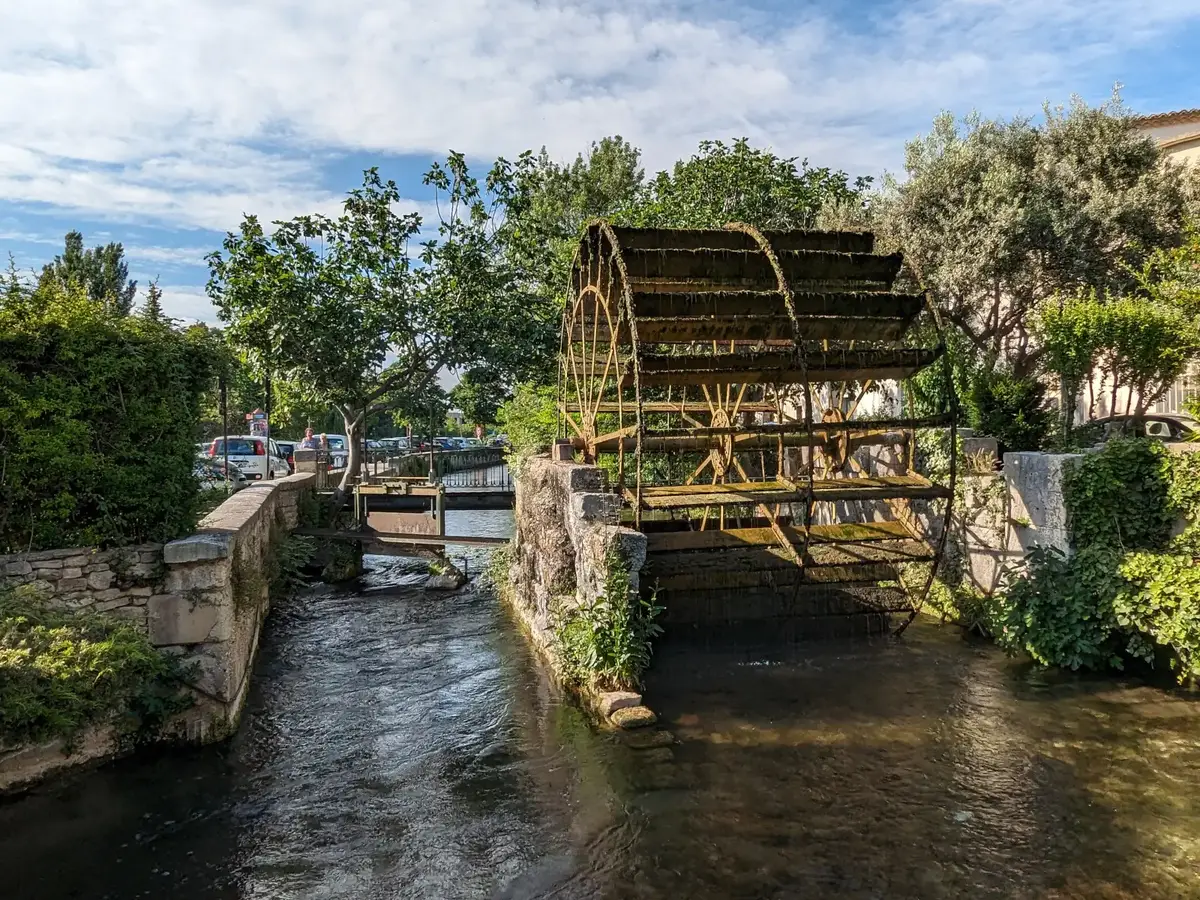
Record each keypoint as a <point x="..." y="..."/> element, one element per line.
<point x="354" y="422"/>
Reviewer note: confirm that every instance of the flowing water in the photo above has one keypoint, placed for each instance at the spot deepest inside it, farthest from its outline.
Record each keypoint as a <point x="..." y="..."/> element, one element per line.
<point x="404" y="745"/>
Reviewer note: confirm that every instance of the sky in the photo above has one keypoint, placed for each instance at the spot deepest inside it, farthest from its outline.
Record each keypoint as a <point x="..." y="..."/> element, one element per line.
<point x="159" y="123"/>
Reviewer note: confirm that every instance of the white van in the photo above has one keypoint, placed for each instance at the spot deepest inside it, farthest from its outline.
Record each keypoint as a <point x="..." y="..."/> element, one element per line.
<point x="252" y="455"/>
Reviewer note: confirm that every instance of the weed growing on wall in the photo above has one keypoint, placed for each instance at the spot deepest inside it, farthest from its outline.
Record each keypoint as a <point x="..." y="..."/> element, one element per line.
<point x="61" y="673"/>
<point x="607" y="643"/>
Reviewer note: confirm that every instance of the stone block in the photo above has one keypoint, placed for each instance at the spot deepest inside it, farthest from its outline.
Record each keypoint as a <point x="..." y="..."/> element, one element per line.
<point x="613" y="700"/>
<point x="150" y="557"/>
<point x="47" y="564"/>
<point x="175" y="619"/>
<point x="107" y="595"/>
<point x="18" y="567"/>
<point x="71" y="572"/>
<point x="77" y="561"/>
<point x="67" y="585"/>
<point x="588" y="508"/>
<point x="633" y="717"/>
<point x="142" y="592"/>
<point x="100" y="581"/>
<point x="578" y="479"/>
<point x="109" y="605"/>
<point x="196" y="548"/>
<point x="198" y="577"/>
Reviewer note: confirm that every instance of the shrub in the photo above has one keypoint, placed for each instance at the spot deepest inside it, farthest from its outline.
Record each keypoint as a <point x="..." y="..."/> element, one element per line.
<point x="1010" y="409"/>
<point x="97" y="430"/>
<point x="608" y="643"/>
<point x="1130" y="586"/>
<point x="529" y="419"/>
<point x="62" y="672"/>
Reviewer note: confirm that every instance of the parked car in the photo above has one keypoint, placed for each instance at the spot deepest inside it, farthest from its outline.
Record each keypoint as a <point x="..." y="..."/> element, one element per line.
<point x="254" y="455"/>
<point x="288" y="449"/>
<point x="339" y="450"/>
<point x="472" y="443"/>
<point x="212" y="475"/>
<point x="1160" y="426"/>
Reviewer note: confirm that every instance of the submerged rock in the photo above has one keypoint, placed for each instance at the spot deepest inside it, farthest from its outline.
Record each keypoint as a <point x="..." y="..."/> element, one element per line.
<point x="611" y="701"/>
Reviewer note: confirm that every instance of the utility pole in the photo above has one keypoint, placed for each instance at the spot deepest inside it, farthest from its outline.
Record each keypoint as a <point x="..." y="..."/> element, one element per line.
<point x="225" y="432"/>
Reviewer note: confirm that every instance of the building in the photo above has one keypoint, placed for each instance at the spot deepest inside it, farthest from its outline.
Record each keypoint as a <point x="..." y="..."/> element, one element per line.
<point x="1178" y="136"/>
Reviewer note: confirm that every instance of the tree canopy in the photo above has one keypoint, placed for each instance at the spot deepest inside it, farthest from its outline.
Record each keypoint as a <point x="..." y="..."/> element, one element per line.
<point x="998" y="216"/>
<point x="101" y="271"/>
<point x="346" y="311"/>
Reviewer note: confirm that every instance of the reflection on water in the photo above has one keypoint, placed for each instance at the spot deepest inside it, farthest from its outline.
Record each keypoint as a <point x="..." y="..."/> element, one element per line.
<point x="404" y="745"/>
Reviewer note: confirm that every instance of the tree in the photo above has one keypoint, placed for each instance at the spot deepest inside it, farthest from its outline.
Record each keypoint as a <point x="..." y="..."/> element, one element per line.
<point x="479" y="394"/>
<point x="997" y="217"/>
<point x="321" y="304"/>
<point x="152" y="310"/>
<point x="739" y="183"/>
<point x="101" y="271"/>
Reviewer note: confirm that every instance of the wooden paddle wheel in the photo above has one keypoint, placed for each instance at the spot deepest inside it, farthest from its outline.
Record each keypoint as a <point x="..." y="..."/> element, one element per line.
<point x="743" y="389"/>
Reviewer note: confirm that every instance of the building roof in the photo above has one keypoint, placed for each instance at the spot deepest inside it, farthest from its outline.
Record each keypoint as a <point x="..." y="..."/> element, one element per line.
<point x="1168" y="118"/>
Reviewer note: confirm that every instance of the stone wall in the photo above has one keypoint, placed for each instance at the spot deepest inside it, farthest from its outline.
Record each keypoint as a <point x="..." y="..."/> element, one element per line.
<point x="1002" y="517"/>
<point x="566" y="527"/>
<point x="119" y="581"/>
<point x="203" y="597"/>
<point x="216" y="597"/>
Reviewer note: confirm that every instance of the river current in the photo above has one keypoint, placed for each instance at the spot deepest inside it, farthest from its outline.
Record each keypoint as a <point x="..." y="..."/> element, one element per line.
<point x="399" y="744"/>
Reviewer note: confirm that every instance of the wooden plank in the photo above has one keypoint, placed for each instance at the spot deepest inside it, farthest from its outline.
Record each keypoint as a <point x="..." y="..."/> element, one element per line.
<point x="710" y="269"/>
<point x="774" y="367"/>
<point x="842" y="557"/>
<point x="867" y="437"/>
<point x="677" y="541"/>
<point x="420" y="540"/>
<point x="695" y="406"/>
<point x="882" y="487"/>
<point x="722" y="239"/>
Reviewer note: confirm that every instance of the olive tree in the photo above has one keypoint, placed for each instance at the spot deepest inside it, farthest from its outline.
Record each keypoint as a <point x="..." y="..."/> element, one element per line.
<point x="996" y="217"/>
<point x="353" y="312"/>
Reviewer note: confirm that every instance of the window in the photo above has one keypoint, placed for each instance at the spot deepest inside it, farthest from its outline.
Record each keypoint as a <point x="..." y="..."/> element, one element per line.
<point x="238" y="447"/>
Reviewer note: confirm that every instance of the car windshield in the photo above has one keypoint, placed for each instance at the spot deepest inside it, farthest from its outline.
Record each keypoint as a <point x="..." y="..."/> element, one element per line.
<point x="336" y="443"/>
<point x="238" y="447"/>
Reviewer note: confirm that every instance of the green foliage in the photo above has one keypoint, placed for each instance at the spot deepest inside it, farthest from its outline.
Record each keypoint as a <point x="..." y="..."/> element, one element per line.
<point x="607" y="643"/>
<point x="1010" y="409"/>
<point x="997" y="217"/>
<point x="739" y="183"/>
<point x="1061" y="614"/>
<point x="529" y="419"/>
<point x="1119" y="498"/>
<point x="1129" y="586"/>
<point x="479" y="394"/>
<point x="98" y="416"/>
<point x="101" y="272"/>
<point x="62" y="672"/>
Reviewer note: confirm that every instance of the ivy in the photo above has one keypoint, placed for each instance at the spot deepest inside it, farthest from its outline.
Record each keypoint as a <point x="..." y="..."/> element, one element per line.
<point x="1120" y="497"/>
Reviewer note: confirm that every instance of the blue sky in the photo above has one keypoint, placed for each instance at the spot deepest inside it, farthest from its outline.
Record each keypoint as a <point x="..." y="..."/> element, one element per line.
<point x="159" y="122"/>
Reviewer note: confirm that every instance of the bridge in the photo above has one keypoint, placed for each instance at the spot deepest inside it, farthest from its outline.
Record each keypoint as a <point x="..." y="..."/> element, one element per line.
<point x="399" y="509"/>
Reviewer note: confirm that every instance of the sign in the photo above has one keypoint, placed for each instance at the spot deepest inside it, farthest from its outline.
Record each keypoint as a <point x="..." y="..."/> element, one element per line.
<point x="258" y="423"/>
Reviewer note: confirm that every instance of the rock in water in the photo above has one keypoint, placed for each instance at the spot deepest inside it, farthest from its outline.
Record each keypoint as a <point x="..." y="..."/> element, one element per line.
<point x="633" y="717"/>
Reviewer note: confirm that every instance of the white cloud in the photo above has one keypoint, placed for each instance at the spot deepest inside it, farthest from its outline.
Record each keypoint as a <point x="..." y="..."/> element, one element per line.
<point x="191" y="112"/>
<point x="186" y="303"/>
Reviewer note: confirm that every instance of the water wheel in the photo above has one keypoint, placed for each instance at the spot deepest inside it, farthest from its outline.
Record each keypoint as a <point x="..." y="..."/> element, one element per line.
<point x="744" y="390"/>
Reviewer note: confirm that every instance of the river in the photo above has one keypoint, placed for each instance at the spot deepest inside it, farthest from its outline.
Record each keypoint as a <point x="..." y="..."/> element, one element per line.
<point x="403" y="745"/>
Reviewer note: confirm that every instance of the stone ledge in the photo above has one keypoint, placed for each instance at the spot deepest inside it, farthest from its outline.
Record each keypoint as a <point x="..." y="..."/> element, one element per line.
<point x="196" y="548"/>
